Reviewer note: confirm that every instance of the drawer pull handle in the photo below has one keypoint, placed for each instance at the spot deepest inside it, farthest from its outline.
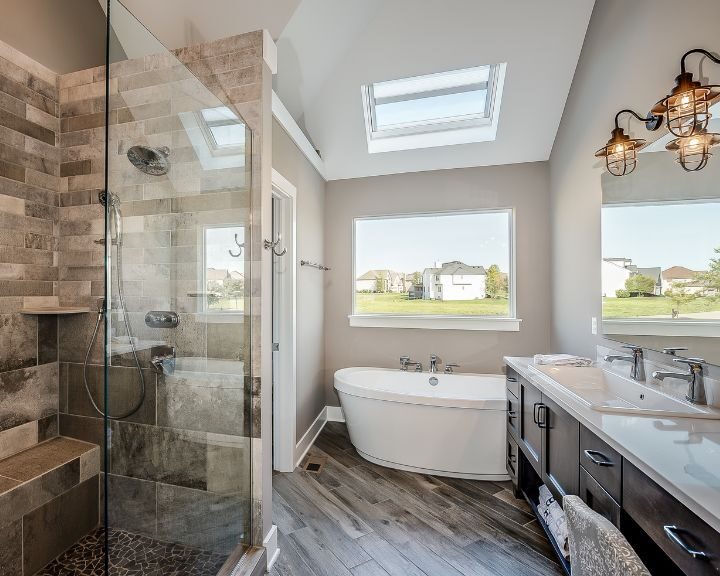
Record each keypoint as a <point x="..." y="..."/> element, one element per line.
<point x="598" y="458"/>
<point x="542" y="423"/>
<point x="512" y="414"/>
<point x="672" y="533"/>
<point x="511" y="379"/>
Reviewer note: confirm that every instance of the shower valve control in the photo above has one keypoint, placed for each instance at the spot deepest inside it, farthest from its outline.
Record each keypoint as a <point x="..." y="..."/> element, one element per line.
<point x="162" y="319"/>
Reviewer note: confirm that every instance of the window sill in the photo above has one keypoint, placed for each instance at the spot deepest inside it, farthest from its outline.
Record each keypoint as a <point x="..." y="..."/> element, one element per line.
<point x="658" y="327"/>
<point x="435" y="322"/>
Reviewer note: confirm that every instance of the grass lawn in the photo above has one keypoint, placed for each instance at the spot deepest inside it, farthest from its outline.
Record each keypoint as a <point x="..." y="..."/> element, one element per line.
<point x="653" y="306"/>
<point x="401" y="304"/>
<point x="230" y="304"/>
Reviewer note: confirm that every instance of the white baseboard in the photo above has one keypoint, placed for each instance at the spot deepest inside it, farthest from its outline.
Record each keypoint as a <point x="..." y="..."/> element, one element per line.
<point x="310" y="436"/>
<point x="271" y="545"/>
<point x="335" y="414"/>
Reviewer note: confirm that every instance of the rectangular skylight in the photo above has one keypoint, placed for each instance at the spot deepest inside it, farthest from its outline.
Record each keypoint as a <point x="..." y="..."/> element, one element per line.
<point x="224" y="128"/>
<point x="455" y="107"/>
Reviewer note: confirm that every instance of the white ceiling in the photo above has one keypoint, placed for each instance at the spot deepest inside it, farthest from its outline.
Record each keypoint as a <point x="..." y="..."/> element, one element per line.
<point x="179" y="23"/>
<point x="330" y="48"/>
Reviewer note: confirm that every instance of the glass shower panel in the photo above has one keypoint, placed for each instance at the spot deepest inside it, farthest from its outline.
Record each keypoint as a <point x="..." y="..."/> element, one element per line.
<point x="178" y="487"/>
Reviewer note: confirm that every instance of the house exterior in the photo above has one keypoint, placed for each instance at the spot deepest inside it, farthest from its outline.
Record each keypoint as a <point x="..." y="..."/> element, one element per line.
<point x="454" y="281"/>
<point x="616" y="271"/>
<point x="392" y="281"/>
<point x="683" y="276"/>
<point x="217" y="275"/>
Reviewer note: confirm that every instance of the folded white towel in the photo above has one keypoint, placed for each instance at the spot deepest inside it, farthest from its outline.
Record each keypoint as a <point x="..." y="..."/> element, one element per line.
<point x="561" y="360"/>
<point x="554" y="516"/>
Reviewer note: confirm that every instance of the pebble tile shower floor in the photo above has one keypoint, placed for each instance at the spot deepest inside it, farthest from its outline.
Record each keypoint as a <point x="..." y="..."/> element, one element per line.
<point x="133" y="555"/>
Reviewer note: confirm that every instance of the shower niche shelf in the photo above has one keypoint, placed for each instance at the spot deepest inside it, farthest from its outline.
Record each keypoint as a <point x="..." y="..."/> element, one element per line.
<point x="56" y="310"/>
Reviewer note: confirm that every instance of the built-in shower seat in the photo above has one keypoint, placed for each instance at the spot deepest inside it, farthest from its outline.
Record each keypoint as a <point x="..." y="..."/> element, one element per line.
<point x="49" y="498"/>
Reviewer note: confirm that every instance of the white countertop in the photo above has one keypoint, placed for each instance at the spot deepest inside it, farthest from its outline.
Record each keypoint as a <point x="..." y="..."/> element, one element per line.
<point x="681" y="454"/>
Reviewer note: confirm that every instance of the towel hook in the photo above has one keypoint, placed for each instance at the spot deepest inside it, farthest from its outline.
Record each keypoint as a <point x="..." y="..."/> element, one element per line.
<point x="241" y="246"/>
<point x="272" y="245"/>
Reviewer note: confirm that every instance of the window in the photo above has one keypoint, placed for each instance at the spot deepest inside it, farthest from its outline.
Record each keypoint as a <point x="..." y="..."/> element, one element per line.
<point x="456" y="107"/>
<point x="224" y="269"/>
<point x="223" y="128"/>
<point x="441" y="270"/>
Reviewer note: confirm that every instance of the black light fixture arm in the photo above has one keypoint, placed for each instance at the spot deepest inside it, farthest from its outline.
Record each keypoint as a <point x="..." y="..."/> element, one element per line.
<point x="652" y="121"/>
<point x="697" y="51"/>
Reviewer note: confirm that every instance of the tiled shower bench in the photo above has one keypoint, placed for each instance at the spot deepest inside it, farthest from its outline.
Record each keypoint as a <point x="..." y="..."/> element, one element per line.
<point x="49" y="498"/>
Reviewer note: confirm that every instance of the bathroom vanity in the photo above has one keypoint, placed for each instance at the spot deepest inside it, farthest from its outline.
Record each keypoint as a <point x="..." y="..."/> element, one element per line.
<point x="657" y="478"/>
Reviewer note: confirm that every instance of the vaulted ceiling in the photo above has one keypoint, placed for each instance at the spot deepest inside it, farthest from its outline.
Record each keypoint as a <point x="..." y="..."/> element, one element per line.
<point x="330" y="48"/>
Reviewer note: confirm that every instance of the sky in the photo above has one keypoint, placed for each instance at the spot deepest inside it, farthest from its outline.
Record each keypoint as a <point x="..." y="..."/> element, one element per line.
<point x="218" y="242"/>
<point x="411" y="244"/>
<point x="662" y="235"/>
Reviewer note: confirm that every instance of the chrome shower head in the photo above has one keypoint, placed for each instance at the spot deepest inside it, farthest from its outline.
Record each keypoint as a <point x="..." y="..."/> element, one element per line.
<point x="149" y="160"/>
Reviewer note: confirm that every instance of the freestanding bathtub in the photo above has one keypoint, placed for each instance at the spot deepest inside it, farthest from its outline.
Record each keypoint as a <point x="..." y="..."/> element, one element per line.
<point x="400" y="420"/>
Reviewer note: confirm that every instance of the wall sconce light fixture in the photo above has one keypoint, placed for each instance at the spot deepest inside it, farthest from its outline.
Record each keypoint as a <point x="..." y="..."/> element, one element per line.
<point x="686" y="113"/>
<point x="620" y="152"/>
<point x="687" y="107"/>
<point x="693" y="152"/>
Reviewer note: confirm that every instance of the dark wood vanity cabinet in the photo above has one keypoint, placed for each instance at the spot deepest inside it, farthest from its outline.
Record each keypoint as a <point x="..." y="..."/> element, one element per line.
<point x="547" y="445"/>
<point x="560" y="444"/>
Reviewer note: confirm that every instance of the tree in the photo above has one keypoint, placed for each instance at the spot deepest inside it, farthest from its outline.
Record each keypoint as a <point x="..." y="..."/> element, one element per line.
<point x="417" y="279"/>
<point x="640" y="284"/>
<point x="380" y="282"/>
<point x="680" y="295"/>
<point x="495" y="283"/>
<point x="711" y="279"/>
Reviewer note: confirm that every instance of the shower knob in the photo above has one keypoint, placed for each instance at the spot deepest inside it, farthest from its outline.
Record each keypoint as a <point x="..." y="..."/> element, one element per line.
<point x="162" y="319"/>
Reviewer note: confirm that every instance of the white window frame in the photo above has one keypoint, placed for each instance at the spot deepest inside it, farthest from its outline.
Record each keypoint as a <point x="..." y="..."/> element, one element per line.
<point x="510" y="323"/>
<point x="440" y="132"/>
<point x="205" y="312"/>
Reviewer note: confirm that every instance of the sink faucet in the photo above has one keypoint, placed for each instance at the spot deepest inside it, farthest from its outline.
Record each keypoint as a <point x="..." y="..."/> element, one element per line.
<point x="637" y="372"/>
<point x="696" y="382"/>
<point x="405" y="362"/>
<point x="434" y="361"/>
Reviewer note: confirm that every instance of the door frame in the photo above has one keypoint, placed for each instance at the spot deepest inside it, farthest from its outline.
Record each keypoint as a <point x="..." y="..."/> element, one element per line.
<point x="285" y="381"/>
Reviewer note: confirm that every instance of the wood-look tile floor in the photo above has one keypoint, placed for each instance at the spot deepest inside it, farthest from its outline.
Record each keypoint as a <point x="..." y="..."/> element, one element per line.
<point x="356" y="518"/>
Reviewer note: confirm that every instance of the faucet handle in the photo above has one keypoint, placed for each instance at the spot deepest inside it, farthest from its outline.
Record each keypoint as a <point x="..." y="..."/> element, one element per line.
<point x="694" y="363"/>
<point x="449" y="367"/>
<point x="673" y="349"/>
<point x="633" y="347"/>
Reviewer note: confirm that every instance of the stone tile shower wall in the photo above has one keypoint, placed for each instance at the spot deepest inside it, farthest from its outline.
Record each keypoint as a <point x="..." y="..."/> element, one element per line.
<point x="29" y="185"/>
<point x="178" y="468"/>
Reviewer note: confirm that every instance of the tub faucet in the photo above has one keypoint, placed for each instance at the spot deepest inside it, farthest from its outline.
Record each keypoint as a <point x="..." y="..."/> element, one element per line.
<point x="405" y="362"/>
<point x="637" y="372"/>
<point x="434" y="361"/>
<point x="695" y="380"/>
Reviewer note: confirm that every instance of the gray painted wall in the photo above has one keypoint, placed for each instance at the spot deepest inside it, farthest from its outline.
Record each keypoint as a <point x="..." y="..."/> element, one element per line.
<point x="522" y="186"/>
<point x="292" y="164"/>
<point x="630" y="58"/>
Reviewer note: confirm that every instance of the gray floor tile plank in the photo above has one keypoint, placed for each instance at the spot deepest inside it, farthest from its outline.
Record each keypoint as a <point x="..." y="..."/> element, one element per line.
<point x="318" y="554"/>
<point x="387" y="556"/>
<point x="349" y="552"/>
<point x="284" y="516"/>
<point x="371" y="568"/>
<point x="290" y="562"/>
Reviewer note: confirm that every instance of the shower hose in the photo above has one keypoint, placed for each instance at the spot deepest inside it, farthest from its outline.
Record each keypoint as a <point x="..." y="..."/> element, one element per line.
<point x="116" y="216"/>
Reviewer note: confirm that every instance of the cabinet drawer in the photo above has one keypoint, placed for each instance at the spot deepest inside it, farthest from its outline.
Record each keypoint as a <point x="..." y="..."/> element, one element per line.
<point x="685" y="538"/>
<point x="512" y="381"/>
<point x="601" y="462"/>
<point x="513" y="414"/>
<point x="597" y="498"/>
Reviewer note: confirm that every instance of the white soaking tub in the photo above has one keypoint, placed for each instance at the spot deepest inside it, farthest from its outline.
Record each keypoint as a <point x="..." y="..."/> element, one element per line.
<point x="399" y="419"/>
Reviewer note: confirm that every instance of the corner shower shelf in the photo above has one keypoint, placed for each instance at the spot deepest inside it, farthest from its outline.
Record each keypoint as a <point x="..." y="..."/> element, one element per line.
<point x="57" y="310"/>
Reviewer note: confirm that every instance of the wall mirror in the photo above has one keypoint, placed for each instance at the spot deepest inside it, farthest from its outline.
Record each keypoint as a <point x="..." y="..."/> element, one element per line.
<point x="661" y="253"/>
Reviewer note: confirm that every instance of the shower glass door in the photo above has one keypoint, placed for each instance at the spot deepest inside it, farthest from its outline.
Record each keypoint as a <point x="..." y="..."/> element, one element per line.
<point x="178" y="462"/>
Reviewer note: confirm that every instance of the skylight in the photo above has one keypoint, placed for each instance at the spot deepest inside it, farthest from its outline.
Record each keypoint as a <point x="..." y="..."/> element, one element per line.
<point x="455" y="107"/>
<point x="225" y="130"/>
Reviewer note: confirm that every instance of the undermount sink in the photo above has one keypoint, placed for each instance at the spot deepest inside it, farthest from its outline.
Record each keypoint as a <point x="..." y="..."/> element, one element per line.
<point x="608" y="392"/>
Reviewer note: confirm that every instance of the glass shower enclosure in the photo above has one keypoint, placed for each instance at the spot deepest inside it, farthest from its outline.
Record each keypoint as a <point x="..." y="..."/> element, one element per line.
<point x="174" y="347"/>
